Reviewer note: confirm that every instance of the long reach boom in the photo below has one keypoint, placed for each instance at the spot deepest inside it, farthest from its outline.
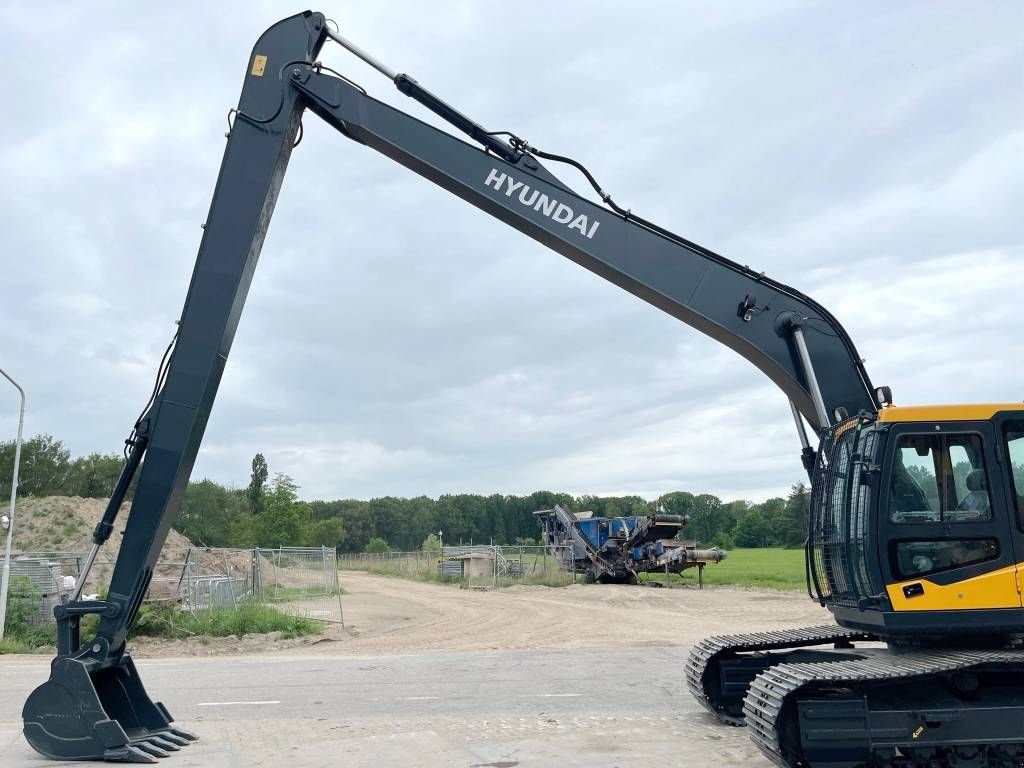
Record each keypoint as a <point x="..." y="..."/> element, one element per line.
<point x="793" y="340"/>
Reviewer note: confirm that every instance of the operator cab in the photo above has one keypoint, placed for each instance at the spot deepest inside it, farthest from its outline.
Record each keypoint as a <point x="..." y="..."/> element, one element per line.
<point x="919" y="513"/>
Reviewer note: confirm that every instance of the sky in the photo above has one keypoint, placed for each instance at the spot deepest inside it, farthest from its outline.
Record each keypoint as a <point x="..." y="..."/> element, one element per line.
<point x="397" y="341"/>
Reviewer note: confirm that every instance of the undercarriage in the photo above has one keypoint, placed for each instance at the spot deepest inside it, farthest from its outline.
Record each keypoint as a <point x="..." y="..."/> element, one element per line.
<point x="826" y="697"/>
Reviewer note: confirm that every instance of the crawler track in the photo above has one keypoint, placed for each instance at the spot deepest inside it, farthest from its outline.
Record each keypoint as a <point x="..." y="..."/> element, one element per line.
<point x="929" y="736"/>
<point x="809" y="706"/>
<point x="701" y="672"/>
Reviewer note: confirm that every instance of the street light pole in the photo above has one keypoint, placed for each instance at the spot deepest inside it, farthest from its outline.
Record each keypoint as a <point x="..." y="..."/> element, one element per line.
<point x="5" y="580"/>
<point x="440" y="555"/>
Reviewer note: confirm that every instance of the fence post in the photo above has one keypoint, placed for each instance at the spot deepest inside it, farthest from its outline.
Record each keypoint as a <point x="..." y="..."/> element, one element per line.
<point x="337" y="587"/>
<point x="257" y="575"/>
<point x="231" y="581"/>
<point x="193" y="588"/>
<point x="323" y="562"/>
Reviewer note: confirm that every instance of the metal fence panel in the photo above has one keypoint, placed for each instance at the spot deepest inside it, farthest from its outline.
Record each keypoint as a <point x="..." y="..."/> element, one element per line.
<point x="301" y="581"/>
<point x="298" y="581"/>
<point x="475" y="566"/>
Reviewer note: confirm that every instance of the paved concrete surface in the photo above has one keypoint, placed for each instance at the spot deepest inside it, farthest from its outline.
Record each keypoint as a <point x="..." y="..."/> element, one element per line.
<point x="622" y="708"/>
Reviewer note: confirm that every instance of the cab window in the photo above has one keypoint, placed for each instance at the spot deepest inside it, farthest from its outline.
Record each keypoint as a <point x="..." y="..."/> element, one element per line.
<point x="1014" y="434"/>
<point x="920" y="558"/>
<point x="939" y="479"/>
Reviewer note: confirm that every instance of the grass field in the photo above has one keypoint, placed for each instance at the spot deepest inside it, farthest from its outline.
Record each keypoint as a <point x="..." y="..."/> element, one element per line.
<point x="771" y="567"/>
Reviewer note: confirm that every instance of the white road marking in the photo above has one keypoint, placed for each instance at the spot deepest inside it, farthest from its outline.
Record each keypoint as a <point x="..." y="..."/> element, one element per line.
<point x="418" y="698"/>
<point x="549" y="695"/>
<point x="233" y="703"/>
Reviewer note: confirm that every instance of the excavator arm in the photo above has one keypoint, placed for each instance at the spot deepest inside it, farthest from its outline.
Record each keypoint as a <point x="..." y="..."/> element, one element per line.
<point x="786" y="335"/>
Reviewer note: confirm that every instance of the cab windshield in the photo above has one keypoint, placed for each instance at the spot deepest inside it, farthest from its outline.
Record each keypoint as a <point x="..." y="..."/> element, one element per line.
<point x="1014" y="434"/>
<point x="939" y="479"/>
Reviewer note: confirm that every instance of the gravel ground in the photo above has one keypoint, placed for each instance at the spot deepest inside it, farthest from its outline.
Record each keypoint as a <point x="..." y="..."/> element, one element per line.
<point x="386" y="615"/>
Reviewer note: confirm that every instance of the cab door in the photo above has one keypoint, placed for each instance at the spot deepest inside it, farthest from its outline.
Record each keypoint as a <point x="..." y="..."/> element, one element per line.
<point x="949" y="536"/>
<point x="1009" y="427"/>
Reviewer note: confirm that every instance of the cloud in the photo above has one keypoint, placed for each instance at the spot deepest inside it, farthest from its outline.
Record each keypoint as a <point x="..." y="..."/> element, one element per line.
<point x="397" y="341"/>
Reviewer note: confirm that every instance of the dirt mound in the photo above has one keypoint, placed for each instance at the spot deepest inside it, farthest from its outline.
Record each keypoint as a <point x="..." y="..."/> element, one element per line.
<point x="61" y="527"/>
<point x="59" y="524"/>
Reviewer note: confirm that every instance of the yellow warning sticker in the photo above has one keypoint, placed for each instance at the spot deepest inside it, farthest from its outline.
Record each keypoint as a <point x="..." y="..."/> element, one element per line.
<point x="259" y="64"/>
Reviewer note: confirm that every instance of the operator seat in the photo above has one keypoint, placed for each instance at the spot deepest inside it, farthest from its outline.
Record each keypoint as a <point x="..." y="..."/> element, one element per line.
<point x="977" y="500"/>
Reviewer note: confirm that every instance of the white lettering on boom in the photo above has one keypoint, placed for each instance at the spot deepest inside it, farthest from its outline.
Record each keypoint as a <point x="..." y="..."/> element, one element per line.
<point x="557" y="211"/>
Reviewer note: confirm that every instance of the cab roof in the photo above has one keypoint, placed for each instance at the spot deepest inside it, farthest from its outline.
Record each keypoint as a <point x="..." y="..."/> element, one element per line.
<point x="970" y="412"/>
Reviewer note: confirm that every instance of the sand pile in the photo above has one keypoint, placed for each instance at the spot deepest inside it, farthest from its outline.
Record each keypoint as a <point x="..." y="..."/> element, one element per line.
<point x="61" y="528"/>
<point x="65" y="524"/>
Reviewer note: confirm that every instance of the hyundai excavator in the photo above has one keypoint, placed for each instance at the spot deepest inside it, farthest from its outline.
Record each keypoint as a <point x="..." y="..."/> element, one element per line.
<point x="916" y="534"/>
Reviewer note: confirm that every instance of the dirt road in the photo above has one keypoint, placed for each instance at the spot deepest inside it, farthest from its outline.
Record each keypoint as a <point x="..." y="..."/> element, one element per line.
<point x="386" y="615"/>
<point x="394" y="616"/>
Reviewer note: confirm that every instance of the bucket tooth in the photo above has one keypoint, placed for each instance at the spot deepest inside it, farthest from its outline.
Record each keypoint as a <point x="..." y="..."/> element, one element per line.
<point x="170" y="736"/>
<point x="129" y="754"/>
<point x="86" y="711"/>
<point x="149" y="748"/>
<point x="163" y="743"/>
<point x="181" y="733"/>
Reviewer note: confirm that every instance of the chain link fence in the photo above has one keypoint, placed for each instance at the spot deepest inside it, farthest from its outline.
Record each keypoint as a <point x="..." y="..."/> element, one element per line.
<point x="296" y="580"/>
<point x="471" y="566"/>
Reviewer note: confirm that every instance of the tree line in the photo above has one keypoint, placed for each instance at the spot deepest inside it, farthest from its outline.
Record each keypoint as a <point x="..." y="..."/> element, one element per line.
<point x="270" y="513"/>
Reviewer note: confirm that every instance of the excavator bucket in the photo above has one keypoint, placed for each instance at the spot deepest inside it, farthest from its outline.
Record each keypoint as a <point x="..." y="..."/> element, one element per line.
<point x="101" y="715"/>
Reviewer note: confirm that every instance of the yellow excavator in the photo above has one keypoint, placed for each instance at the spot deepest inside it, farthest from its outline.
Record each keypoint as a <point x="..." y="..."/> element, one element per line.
<point x="915" y="545"/>
<point x="916" y="534"/>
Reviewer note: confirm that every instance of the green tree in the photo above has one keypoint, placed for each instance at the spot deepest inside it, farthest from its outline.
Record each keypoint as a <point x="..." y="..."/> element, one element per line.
<point x="44" y="467"/>
<point x="723" y="540"/>
<point x="732" y="512"/>
<point x="284" y="520"/>
<point x="774" y="512"/>
<point x="676" y="503"/>
<point x="752" y="530"/>
<point x="94" y="476"/>
<point x="431" y="544"/>
<point x="23" y="603"/>
<point x="208" y="513"/>
<point x="243" y="531"/>
<point x="257" y="483"/>
<point x="792" y="530"/>
<point x="705" y="518"/>
<point x="327" y="533"/>
<point x="376" y="546"/>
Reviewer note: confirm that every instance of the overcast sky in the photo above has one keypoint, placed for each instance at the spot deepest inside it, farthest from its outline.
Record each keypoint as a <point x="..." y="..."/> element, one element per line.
<point x="398" y="341"/>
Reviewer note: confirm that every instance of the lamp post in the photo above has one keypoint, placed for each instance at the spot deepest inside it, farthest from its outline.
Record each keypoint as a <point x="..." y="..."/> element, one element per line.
<point x="5" y="580"/>
<point x="440" y="555"/>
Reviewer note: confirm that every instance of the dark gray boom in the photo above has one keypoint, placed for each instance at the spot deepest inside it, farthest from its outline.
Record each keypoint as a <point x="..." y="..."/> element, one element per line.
<point x="783" y="333"/>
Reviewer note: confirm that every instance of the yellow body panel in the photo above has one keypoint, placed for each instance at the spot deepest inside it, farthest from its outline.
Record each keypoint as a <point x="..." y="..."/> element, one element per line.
<point x="967" y="412"/>
<point x="998" y="589"/>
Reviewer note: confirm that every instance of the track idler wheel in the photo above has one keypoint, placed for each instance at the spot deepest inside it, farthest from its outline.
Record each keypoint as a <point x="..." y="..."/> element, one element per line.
<point x="105" y="714"/>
